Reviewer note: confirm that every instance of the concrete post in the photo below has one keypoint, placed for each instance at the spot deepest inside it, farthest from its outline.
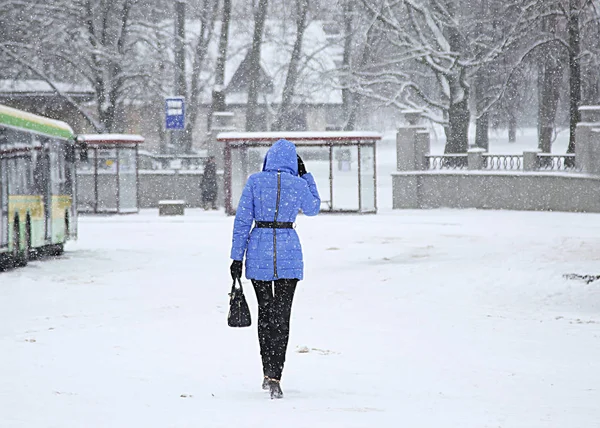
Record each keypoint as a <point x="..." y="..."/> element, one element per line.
<point x="222" y="121"/>
<point x="589" y="114"/>
<point x="422" y="149"/>
<point x="475" y="158"/>
<point x="530" y="160"/>
<point x="587" y="149"/>
<point x="409" y="147"/>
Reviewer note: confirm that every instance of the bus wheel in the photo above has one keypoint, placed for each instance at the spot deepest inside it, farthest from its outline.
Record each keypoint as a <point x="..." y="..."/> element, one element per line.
<point x="67" y="230"/>
<point x="58" y="250"/>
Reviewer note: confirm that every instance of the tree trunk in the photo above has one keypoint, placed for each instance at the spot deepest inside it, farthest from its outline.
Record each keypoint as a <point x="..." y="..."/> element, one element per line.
<point x="482" y="82"/>
<point x="348" y="109"/>
<point x="482" y="124"/>
<point x="282" y="122"/>
<point x="207" y="24"/>
<point x="254" y="66"/>
<point x="457" y="131"/>
<point x="356" y="99"/>
<point x="511" y="103"/>
<point x="459" y="116"/>
<point x="218" y="93"/>
<point x="512" y="126"/>
<point x="549" y="79"/>
<point x="574" y="71"/>
<point x="482" y="137"/>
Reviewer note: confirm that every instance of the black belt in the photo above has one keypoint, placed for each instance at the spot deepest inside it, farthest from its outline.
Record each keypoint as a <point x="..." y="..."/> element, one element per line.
<point x="274" y="225"/>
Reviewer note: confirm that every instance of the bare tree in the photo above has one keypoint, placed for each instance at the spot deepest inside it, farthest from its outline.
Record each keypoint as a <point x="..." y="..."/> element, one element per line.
<point x="429" y="43"/>
<point x="96" y="42"/>
<point x="282" y="120"/>
<point x="218" y="93"/>
<point x="208" y="18"/>
<point x="260" y="16"/>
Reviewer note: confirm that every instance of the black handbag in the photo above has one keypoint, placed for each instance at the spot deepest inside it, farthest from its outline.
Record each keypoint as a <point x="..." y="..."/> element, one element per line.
<point x="239" y="312"/>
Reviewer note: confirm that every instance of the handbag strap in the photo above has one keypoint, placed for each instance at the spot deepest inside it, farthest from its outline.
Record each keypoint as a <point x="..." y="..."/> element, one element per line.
<point x="237" y="286"/>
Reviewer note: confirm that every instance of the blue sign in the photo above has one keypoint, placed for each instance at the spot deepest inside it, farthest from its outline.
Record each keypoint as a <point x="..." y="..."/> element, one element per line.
<point x="175" y="113"/>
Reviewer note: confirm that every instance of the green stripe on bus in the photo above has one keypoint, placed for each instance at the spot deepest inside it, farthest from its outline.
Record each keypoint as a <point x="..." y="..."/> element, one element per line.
<point x="42" y="128"/>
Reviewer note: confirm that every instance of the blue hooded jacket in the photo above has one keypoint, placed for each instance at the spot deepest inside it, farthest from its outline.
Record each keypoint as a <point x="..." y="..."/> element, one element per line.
<point x="274" y="253"/>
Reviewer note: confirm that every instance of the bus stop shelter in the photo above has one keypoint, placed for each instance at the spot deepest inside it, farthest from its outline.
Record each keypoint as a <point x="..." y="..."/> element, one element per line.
<point x="108" y="183"/>
<point x="343" y="164"/>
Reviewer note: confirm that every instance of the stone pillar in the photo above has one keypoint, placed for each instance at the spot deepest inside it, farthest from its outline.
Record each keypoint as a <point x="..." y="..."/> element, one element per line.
<point x="587" y="149"/>
<point x="475" y="158"/>
<point x="222" y="122"/>
<point x="422" y="149"/>
<point x="530" y="160"/>
<point x="412" y="144"/>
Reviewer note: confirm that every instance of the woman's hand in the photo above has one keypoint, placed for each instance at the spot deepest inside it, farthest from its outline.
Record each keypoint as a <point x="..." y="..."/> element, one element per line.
<point x="236" y="269"/>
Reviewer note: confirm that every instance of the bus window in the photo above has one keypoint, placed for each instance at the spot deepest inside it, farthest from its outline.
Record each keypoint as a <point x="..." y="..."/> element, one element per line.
<point x="3" y="191"/>
<point x="39" y="176"/>
<point x="57" y="162"/>
<point x="69" y="168"/>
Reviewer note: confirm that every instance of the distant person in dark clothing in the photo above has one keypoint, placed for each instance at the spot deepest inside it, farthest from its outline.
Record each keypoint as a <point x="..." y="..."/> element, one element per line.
<point x="209" y="184"/>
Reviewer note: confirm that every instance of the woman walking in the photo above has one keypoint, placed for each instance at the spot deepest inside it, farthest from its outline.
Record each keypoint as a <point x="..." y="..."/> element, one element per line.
<point x="271" y="201"/>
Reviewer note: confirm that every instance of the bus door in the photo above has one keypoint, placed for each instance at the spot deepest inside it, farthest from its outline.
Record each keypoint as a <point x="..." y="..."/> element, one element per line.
<point x="47" y="195"/>
<point x="71" y="187"/>
<point x="43" y="181"/>
<point x="43" y="185"/>
<point x="3" y="203"/>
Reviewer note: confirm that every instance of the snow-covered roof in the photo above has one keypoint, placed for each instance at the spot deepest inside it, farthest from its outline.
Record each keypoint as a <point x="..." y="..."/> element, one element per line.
<point x="299" y="136"/>
<point x="41" y="87"/>
<point x="110" y="138"/>
<point x="319" y="55"/>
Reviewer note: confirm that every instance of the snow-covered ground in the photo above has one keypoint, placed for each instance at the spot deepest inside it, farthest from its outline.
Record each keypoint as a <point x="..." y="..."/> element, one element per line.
<point x="432" y="319"/>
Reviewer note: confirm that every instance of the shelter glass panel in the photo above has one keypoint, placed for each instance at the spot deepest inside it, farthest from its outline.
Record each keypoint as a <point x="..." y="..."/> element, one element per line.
<point x="238" y="177"/>
<point x="86" y="196"/>
<point x="127" y="180"/>
<point x="345" y="178"/>
<point x="367" y="178"/>
<point x="316" y="160"/>
<point x="106" y="161"/>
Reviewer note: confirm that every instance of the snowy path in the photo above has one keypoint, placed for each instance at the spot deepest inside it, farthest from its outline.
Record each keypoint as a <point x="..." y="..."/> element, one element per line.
<point x="418" y="319"/>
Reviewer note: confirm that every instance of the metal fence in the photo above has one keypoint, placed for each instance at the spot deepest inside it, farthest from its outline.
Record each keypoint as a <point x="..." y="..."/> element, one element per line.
<point x="552" y="162"/>
<point x="447" y="162"/>
<point x="503" y="162"/>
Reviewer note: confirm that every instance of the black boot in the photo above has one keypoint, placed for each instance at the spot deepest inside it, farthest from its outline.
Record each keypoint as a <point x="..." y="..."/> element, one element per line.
<point x="275" y="389"/>
<point x="265" y="385"/>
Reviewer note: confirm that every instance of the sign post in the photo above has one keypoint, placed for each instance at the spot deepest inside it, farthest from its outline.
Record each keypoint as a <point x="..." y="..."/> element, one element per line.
<point x="175" y="120"/>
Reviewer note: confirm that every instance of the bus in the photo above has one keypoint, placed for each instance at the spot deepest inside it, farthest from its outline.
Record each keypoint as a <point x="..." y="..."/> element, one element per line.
<point x="38" y="213"/>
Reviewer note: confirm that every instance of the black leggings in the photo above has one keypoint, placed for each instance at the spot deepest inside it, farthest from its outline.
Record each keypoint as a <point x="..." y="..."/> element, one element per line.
<point x="274" y="310"/>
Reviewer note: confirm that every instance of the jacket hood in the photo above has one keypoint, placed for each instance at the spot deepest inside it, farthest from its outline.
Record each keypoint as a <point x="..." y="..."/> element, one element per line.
<point x="282" y="157"/>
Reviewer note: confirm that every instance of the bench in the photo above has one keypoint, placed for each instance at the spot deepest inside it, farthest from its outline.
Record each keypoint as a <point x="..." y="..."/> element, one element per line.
<point x="166" y="208"/>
